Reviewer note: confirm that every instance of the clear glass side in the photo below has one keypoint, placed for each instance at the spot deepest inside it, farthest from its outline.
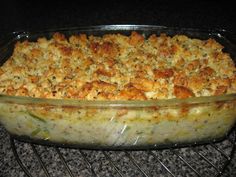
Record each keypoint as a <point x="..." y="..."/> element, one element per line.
<point x="120" y="127"/>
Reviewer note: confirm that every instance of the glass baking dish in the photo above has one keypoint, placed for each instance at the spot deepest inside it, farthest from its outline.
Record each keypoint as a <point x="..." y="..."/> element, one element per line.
<point x="118" y="124"/>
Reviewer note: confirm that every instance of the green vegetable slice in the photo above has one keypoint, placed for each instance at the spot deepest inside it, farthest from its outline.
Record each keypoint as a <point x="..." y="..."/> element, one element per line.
<point x="35" y="132"/>
<point x="37" y="117"/>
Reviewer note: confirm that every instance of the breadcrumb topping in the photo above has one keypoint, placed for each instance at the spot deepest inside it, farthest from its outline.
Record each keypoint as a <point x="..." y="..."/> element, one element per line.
<point x="118" y="67"/>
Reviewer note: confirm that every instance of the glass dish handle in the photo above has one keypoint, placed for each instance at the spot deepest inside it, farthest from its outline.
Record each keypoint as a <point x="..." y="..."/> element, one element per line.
<point x="6" y="37"/>
<point x="229" y="35"/>
<point x="6" y="40"/>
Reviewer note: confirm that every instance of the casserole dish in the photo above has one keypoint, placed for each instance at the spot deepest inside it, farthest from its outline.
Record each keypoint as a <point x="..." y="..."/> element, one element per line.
<point x="118" y="124"/>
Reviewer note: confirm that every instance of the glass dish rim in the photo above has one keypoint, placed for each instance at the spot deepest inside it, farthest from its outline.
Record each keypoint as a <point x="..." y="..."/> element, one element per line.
<point x="115" y="103"/>
<point x="121" y="26"/>
<point x="21" y="33"/>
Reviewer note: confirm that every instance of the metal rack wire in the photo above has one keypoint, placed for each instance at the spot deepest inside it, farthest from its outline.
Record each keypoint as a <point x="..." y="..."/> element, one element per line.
<point x="203" y="160"/>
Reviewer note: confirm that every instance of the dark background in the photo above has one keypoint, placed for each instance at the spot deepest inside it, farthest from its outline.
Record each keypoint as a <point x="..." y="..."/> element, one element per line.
<point x="37" y="15"/>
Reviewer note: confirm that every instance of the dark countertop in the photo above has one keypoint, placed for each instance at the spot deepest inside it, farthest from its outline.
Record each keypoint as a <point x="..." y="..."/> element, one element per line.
<point x="102" y="166"/>
<point x="17" y="15"/>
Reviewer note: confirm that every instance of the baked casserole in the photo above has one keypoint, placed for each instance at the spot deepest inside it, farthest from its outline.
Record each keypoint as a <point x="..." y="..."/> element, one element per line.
<point x="117" y="68"/>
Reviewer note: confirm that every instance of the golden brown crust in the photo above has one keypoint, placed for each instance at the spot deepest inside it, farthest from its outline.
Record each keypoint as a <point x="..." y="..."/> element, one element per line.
<point x="131" y="93"/>
<point x="182" y="92"/>
<point x="163" y="73"/>
<point x="118" y="67"/>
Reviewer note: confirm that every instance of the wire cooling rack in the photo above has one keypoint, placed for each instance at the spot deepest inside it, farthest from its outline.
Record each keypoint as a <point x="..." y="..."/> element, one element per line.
<point x="202" y="160"/>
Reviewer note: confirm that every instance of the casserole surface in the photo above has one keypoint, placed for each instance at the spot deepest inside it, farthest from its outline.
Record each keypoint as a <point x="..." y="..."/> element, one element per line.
<point x="118" y="67"/>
